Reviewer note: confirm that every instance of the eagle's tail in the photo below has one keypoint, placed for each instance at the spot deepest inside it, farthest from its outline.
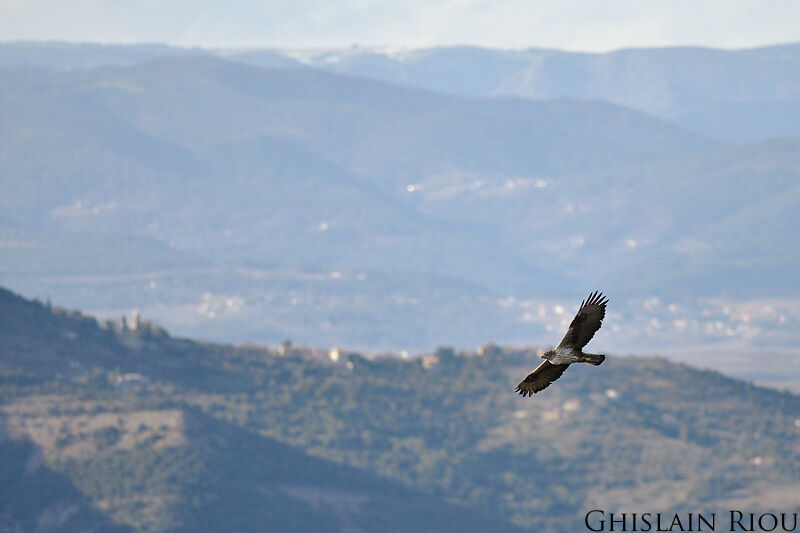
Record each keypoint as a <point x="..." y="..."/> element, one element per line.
<point x="594" y="358"/>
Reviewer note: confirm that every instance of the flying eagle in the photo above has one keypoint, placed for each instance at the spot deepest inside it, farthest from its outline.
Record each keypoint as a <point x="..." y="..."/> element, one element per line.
<point x="580" y="332"/>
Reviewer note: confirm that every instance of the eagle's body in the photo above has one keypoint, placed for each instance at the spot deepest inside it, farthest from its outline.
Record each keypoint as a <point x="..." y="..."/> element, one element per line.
<point x="563" y="355"/>
<point x="570" y="349"/>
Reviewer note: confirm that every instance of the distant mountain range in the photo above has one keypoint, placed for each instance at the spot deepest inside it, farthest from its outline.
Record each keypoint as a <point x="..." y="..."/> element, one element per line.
<point x="125" y="428"/>
<point x="266" y="195"/>
<point x="734" y="95"/>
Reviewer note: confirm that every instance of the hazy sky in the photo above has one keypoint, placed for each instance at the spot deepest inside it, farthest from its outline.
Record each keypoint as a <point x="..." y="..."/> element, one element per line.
<point x="571" y="24"/>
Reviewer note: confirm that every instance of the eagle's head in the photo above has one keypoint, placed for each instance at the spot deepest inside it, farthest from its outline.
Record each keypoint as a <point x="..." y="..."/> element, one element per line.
<point x="548" y="354"/>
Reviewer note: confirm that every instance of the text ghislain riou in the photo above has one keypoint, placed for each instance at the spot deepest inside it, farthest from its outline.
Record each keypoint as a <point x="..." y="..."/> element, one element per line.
<point x="599" y="520"/>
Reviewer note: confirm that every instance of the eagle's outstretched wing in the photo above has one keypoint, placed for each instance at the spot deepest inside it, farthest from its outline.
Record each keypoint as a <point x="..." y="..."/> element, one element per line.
<point x="541" y="378"/>
<point x="586" y="322"/>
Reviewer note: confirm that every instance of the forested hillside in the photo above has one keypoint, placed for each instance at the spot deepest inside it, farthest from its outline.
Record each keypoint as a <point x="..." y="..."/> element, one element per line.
<point x="155" y="433"/>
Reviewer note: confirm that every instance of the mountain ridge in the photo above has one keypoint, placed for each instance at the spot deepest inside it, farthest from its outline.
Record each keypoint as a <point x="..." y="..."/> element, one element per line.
<point x="328" y="208"/>
<point x="163" y="415"/>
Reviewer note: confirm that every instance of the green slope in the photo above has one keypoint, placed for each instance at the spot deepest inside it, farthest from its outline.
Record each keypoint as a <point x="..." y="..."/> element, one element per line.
<point x="197" y="426"/>
<point x="83" y="454"/>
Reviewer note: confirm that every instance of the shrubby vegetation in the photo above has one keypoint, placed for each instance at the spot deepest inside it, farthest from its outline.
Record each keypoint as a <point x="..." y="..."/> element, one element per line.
<point x="215" y="435"/>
